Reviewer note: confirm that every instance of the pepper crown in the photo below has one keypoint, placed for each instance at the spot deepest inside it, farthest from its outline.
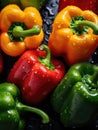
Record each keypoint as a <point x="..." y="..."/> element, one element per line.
<point x="80" y="26"/>
<point x="47" y="60"/>
<point x="18" y="31"/>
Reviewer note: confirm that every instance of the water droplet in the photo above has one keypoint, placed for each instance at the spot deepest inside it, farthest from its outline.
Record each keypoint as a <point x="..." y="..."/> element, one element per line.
<point x="28" y="61"/>
<point x="23" y="88"/>
<point x="9" y="116"/>
<point x="74" y="44"/>
<point x="35" y="72"/>
<point x="63" y="87"/>
<point x="59" y="26"/>
<point x="65" y="111"/>
<point x="34" y="21"/>
<point x="9" y="112"/>
<point x="95" y="53"/>
<point x="92" y="62"/>
<point x="23" y="67"/>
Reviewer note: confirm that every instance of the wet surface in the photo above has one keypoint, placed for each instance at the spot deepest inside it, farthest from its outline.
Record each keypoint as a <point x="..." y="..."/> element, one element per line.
<point x="32" y="121"/>
<point x="48" y="13"/>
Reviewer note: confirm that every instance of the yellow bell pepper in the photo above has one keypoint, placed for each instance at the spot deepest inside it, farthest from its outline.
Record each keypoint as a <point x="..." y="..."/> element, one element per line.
<point x="20" y="29"/>
<point x="74" y="34"/>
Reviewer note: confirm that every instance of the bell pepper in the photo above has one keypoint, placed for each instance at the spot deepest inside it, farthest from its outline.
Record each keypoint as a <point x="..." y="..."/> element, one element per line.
<point x="12" y="110"/>
<point x="35" y="3"/>
<point x="74" y="34"/>
<point x="20" y="29"/>
<point x="84" y="5"/>
<point x="36" y="75"/>
<point x="76" y="96"/>
<point x="24" y="3"/>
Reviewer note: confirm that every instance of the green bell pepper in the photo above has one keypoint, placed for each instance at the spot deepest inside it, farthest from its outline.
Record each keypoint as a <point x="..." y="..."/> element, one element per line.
<point x="24" y="3"/>
<point x="76" y="96"/>
<point x="12" y="110"/>
<point x="36" y="3"/>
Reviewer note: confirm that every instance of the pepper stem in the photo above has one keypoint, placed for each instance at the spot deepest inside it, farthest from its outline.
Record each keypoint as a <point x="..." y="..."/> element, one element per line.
<point x="80" y="26"/>
<point x="18" y="31"/>
<point x="94" y="77"/>
<point x="91" y="80"/>
<point x="47" y="60"/>
<point x="22" y="107"/>
<point x="89" y="24"/>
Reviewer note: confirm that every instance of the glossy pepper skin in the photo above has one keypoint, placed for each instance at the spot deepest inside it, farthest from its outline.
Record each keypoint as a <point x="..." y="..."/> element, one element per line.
<point x="20" y="29"/>
<point x="74" y="34"/>
<point x="36" y="75"/>
<point x="76" y="96"/>
<point x="12" y="110"/>
<point x="84" y="5"/>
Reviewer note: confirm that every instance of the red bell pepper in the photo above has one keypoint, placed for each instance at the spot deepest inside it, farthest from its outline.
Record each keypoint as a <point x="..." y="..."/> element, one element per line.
<point x="36" y="76"/>
<point x="83" y="4"/>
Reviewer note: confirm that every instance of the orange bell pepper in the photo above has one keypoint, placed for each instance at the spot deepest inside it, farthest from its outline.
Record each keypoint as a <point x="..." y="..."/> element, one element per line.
<point x="74" y="34"/>
<point x="20" y="29"/>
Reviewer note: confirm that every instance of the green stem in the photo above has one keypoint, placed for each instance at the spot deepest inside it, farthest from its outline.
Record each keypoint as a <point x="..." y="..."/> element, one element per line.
<point x="94" y="77"/>
<point x="36" y="3"/>
<point x="91" y="80"/>
<point x="89" y="24"/>
<point x="47" y="60"/>
<point x="80" y="26"/>
<point x="18" y="31"/>
<point x="22" y="107"/>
